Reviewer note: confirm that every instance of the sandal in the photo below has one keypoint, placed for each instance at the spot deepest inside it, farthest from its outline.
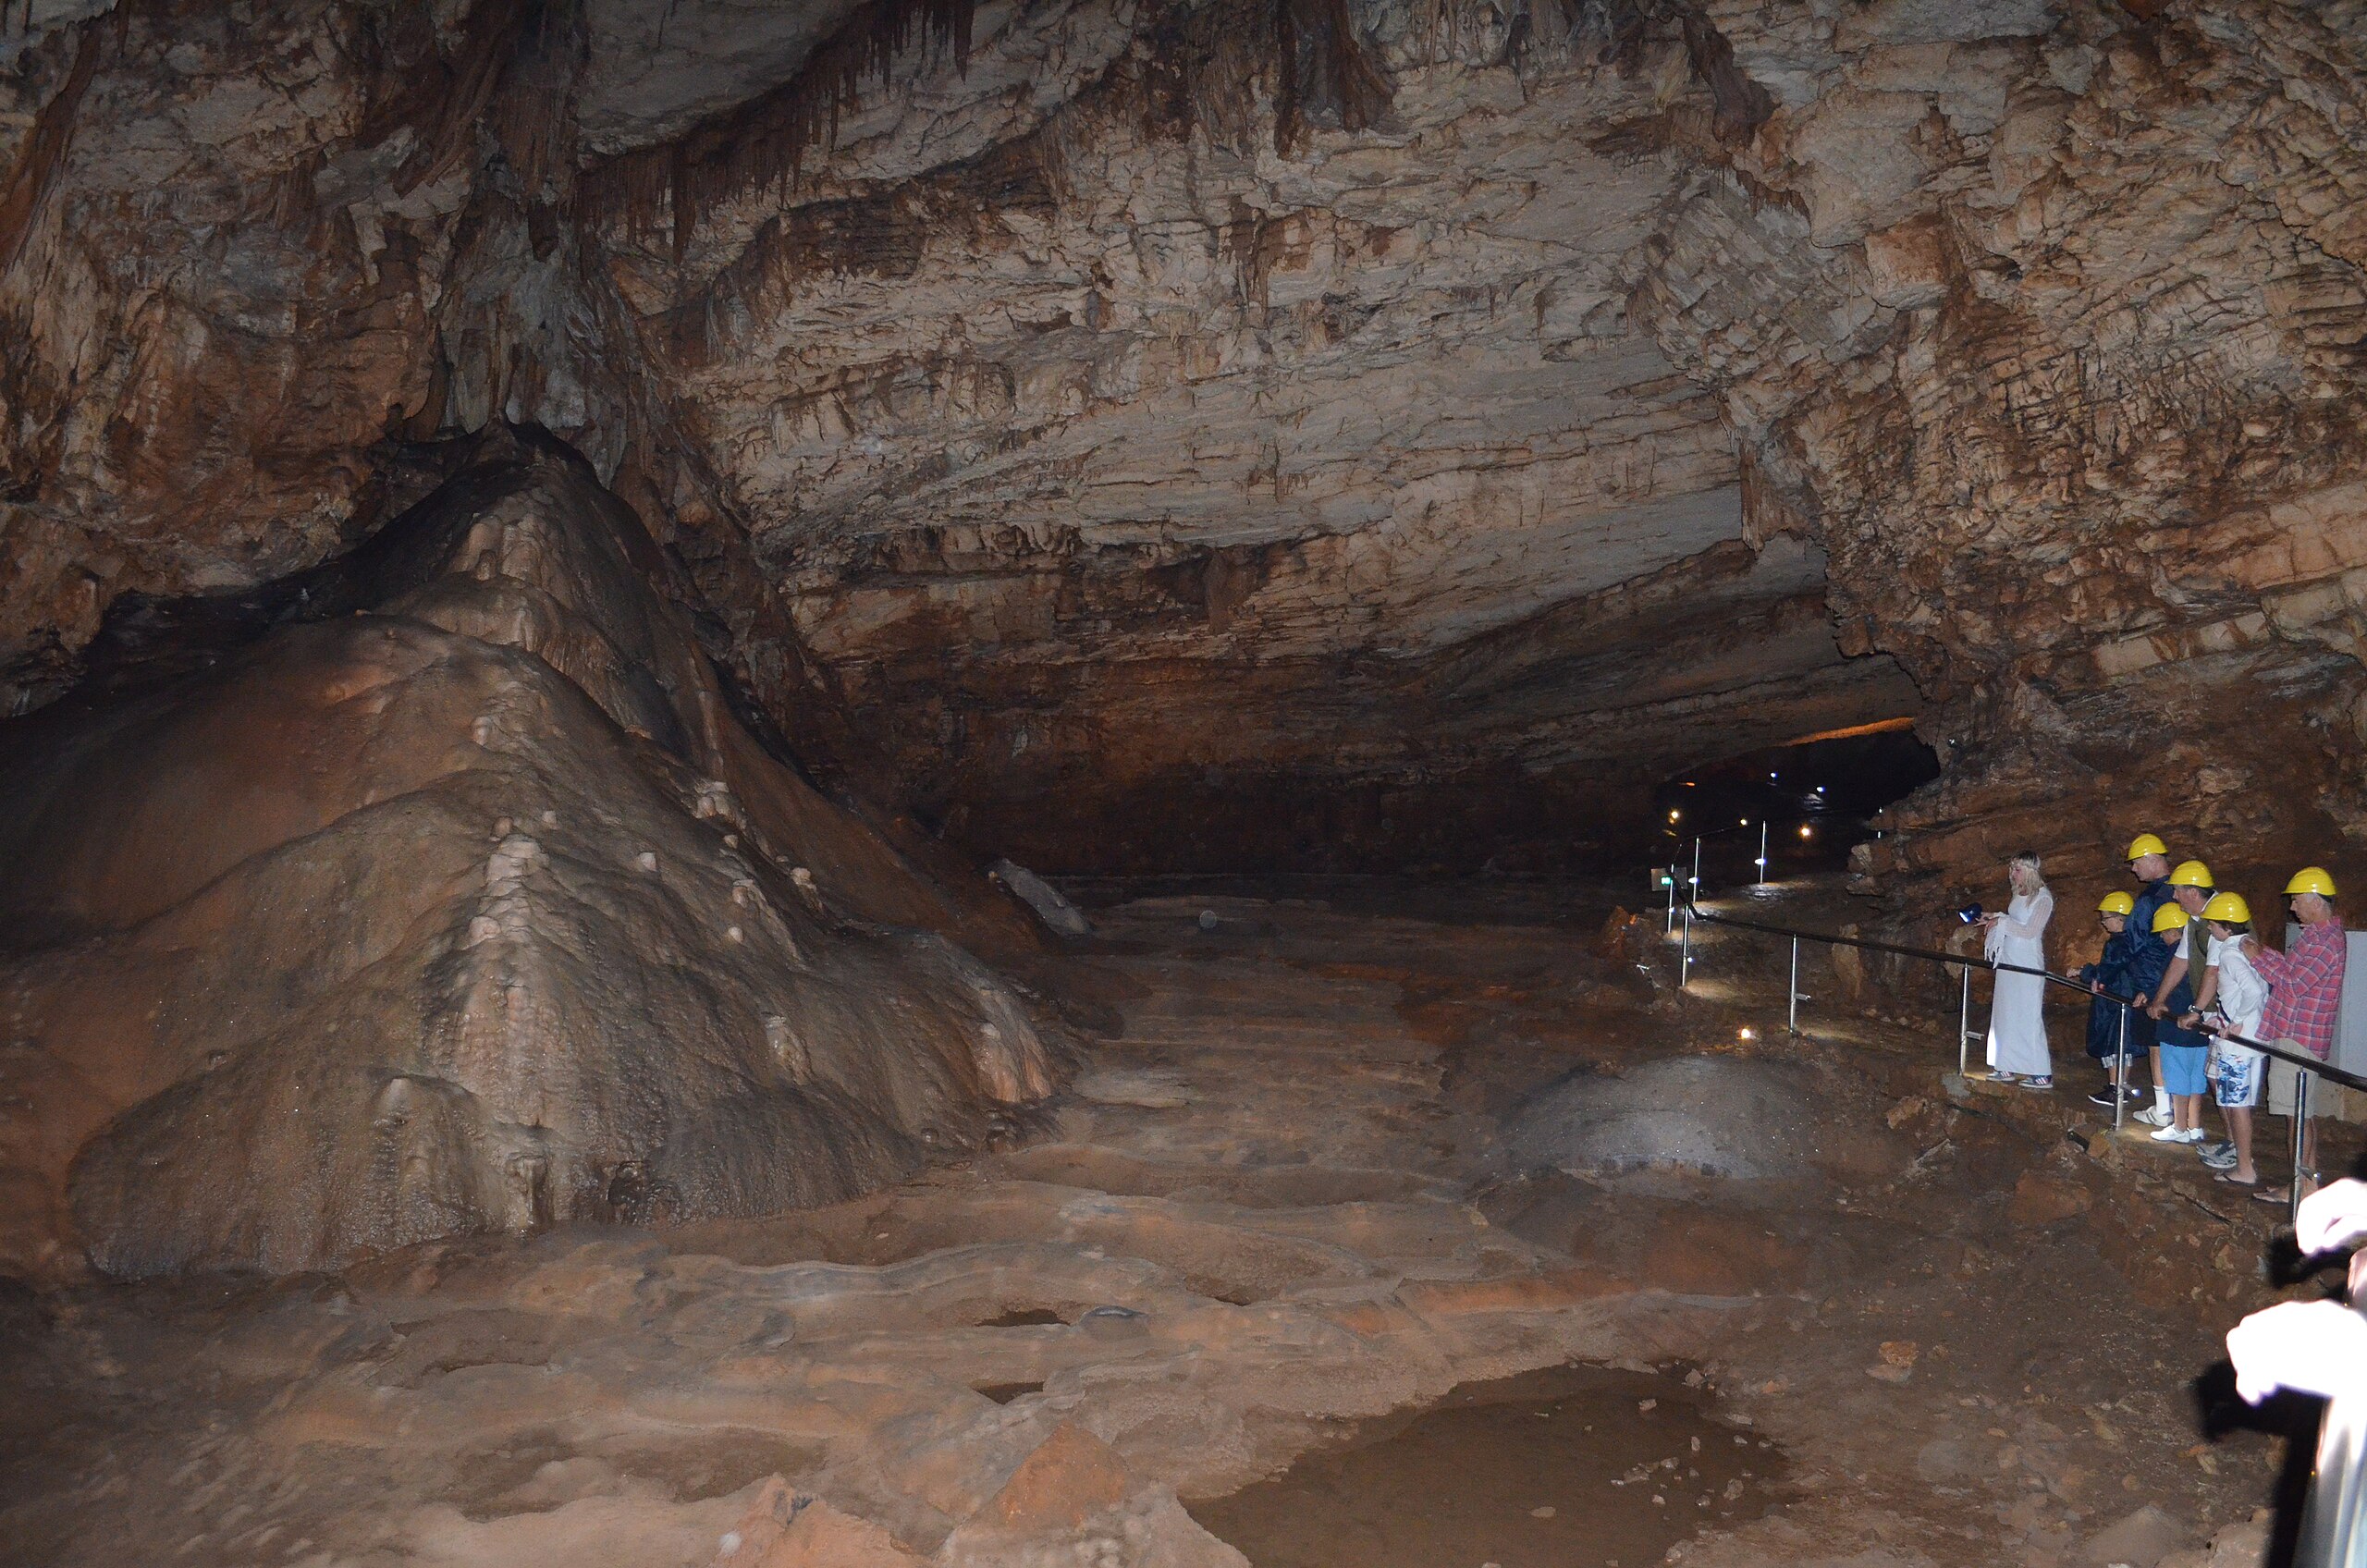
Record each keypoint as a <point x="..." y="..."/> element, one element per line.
<point x="2281" y="1196"/>
<point x="2228" y="1179"/>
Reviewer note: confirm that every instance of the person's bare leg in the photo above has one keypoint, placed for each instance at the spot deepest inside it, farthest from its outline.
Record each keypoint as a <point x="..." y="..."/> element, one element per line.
<point x="2239" y="1132"/>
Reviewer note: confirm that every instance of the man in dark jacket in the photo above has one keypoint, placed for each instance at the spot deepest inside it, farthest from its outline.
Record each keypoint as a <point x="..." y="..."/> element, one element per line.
<point x="2149" y="861"/>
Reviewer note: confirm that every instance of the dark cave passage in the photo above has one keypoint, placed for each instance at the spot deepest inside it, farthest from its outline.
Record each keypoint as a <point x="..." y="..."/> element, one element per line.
<point x="1817" y="797"/>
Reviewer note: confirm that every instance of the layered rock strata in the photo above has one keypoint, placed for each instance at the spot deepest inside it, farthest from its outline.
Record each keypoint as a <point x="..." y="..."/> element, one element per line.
<point x="1083" y="406"/>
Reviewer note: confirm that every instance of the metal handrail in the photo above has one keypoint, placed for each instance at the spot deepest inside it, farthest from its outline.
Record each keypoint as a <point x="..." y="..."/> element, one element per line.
<point x="1693" y="911"/>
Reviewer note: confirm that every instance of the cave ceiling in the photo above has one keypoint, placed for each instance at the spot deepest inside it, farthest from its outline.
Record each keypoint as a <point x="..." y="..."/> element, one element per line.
<point x="1085" y="400"/>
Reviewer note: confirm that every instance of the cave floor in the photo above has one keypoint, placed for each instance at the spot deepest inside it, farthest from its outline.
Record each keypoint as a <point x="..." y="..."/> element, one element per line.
<point x="1285" y="1202"/>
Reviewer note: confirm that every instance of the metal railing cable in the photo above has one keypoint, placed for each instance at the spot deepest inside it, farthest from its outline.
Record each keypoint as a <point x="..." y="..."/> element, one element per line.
<point x="2311" y="1066"/>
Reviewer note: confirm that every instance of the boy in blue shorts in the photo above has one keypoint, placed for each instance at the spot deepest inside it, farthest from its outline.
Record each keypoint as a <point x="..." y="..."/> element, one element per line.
<point x="2185" y="1054"/>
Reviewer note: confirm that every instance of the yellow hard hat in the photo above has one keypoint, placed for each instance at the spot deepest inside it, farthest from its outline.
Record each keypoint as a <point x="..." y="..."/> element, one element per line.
<point x="2145" y="844"/>
<point x="2169" y="917"/>
<point x="2311" y="879"/>
<point x="2116" y="903"/>
<point x="2229" y="907"/>
<point x="2191" y="874"/>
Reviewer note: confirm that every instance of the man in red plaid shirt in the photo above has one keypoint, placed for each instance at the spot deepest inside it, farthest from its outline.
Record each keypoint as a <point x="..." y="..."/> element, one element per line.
<point x="2307" y="991"/>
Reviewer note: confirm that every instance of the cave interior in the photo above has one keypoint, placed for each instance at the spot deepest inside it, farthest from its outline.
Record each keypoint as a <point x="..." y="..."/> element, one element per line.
<point x="890" y="781"/>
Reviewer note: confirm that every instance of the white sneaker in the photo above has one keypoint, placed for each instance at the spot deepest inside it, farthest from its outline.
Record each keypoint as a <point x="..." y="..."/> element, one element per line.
<point x="2152" y="1117"/>
<point x="2177" y="1136"/>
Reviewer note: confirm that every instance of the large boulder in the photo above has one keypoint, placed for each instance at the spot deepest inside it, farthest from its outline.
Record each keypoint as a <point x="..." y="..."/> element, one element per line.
<point x="1708" y="1115"/>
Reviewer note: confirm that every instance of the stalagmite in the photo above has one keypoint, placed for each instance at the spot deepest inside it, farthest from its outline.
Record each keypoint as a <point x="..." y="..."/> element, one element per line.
<point x="391" y="1034"/>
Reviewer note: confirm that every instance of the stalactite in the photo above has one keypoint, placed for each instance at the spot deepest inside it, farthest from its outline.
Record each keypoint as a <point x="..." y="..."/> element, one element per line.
<point x="1322" y="72"/>
<point x="1739" y="105"/>
<point x="1306" y="55"/>
<point x="765" y="143"/>
<point x="442" y="96"/>
<point x="1223" y="69"/>
<point x="44" y="150"/>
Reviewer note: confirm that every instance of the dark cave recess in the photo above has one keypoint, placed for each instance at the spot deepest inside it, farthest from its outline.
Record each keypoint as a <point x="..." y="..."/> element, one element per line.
<point x="1816" y="798"/>
<point x="1502" y="820"/>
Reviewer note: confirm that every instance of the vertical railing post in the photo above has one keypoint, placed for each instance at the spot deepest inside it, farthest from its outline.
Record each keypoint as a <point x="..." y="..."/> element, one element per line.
<point x="1671" y="875"/>
<point x="1685" y="952"/>
<point x="1762" y="851"/>
<point x="1964" y="1026"/>
<point x="1792" y="1009"/>
<point x="2300" y="1137"/>
<point x="2120" y="1078"/>
<point x="1695" y="884"/>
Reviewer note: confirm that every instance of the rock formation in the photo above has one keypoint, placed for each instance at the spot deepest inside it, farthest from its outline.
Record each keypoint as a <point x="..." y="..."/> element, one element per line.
<point x="437" y="891"/>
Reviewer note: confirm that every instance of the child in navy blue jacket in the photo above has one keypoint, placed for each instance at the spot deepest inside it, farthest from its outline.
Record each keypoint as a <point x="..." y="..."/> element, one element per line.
<point x="2111" y="1031"/>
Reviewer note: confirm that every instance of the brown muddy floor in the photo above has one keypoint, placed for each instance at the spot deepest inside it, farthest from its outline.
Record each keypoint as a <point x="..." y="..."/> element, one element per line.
<point x="1260" y="1270"/>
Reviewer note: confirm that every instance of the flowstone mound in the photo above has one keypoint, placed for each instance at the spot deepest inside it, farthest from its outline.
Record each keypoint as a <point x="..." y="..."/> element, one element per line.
<point x="472" y="909"/>
<point x="1705" y="1115"/>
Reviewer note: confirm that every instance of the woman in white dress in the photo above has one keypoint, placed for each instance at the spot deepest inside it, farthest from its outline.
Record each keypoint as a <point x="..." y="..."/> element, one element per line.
<point x="2017" y="1052"/>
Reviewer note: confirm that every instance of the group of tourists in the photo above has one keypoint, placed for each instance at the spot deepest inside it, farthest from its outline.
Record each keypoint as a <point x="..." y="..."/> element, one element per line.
<point x="2196" y="1003"/>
